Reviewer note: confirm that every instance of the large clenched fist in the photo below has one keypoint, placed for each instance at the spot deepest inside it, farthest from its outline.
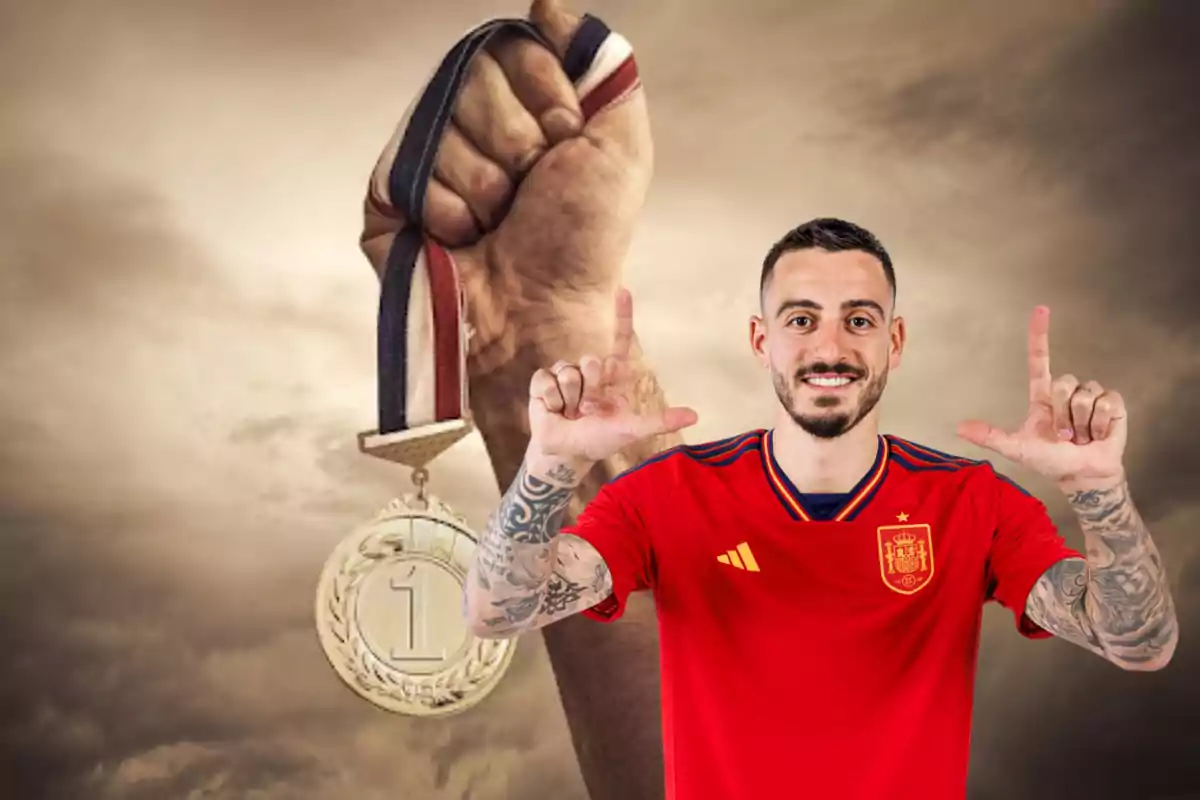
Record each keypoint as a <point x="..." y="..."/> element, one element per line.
<point x="587" y="411"/>
<point x="532" y="185"/>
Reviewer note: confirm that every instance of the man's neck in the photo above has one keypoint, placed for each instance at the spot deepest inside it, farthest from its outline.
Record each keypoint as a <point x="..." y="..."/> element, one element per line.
<point x="819" y="466"/>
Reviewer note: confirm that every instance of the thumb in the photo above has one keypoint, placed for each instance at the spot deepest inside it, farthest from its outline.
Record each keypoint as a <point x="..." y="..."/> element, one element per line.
<point x="555" y="22"/>
<point x="990" y="437"/>
<point x="677" y="418"/>
<point x="669" y="420"/>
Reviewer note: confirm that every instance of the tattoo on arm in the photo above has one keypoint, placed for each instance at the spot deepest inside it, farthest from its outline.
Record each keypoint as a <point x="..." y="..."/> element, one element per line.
<point x="580" y="580"/>
<point x="525" y="575"/>
<point x="1056" y="604"/>
<point x="531" y="511"/>
<point x="1118" y="602"/>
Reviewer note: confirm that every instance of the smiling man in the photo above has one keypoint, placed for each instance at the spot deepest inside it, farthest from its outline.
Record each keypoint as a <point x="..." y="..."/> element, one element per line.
<point x="820" y="585"/>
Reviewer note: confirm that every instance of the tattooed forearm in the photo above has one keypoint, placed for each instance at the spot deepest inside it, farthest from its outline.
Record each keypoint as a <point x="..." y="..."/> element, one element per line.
<point x="525" y="574"/>
<point x="515" y="556"/>
<point x="1056" y="604"/>
<point x="571" y="585"/>
<point x="532" y="509"/>
<point x="1118" y="603"/>
<point x="561" y="594"/>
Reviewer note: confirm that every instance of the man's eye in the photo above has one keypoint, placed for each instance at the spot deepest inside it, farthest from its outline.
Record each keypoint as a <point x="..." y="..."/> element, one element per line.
<point x="860" y="322"/>
<point x="801" y="321"/>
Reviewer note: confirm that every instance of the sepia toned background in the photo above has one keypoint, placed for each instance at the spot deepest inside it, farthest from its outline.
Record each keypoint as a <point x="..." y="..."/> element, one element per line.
<point x="187" y="351"/>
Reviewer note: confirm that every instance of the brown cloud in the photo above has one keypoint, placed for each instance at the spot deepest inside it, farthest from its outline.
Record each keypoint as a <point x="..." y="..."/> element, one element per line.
<point x="186" y="339"/>
<point x="160" y="547"/>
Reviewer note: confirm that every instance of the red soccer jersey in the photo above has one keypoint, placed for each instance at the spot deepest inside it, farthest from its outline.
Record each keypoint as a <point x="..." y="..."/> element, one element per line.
<point x="810" y="658"/>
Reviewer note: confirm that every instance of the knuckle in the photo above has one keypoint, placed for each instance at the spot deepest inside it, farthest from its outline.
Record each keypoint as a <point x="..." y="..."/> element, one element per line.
<point x="497" y="115"/>
<point x="476" y="66"/>
<point x="504" y="47"/>
<point x="483" y="69"/>
<point x="449" y="215"/>
<point x="518" y="132"/>
<point x="1063" y="394"/>
<point x="522" y="153"/>
<point x="570" y="386"/>
<point x="516" y="139"/>
<point x="488" y="182"/>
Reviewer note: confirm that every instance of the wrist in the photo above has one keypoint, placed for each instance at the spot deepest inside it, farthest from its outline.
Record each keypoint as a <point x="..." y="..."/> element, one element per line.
<point x="560" y="470"/>
<point x="1098" y="483"/>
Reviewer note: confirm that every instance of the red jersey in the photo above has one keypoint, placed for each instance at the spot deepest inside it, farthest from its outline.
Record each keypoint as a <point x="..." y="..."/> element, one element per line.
<point x="809" y="655"/>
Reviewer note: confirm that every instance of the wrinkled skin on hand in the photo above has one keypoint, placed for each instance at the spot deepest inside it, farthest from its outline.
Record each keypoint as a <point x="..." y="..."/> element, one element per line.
<point x="538" y="219"/>
<point x="538" y="211"/>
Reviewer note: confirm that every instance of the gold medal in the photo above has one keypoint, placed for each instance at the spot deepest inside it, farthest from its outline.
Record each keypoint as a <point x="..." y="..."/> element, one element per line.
<point x="389" y="602"/>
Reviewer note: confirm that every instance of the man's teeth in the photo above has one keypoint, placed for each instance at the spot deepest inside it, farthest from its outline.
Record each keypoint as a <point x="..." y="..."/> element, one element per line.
<point x="829" y="382"/>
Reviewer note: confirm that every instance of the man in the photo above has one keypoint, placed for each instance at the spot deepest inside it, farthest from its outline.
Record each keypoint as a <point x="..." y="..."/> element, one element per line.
<point x="819" y="586"/>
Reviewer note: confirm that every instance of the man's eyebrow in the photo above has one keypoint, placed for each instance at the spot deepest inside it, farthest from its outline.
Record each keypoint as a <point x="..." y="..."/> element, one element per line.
<point x="788" y="305"/>
<point x="871" y="304"/>
<point x="812" y="305"/>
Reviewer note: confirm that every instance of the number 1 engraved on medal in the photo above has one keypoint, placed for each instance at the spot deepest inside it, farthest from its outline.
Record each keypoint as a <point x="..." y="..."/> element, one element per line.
<point x="415" y="591"/>
<point x="389" y="612"/>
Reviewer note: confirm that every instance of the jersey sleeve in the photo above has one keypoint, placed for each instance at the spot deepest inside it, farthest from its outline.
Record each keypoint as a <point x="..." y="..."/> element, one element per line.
<point x="612" y="524"/>
<point x="1025" y="544"/>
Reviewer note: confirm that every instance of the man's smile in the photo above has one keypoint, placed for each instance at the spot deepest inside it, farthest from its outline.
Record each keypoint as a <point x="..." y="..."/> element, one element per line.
<point x="829" y="381"/>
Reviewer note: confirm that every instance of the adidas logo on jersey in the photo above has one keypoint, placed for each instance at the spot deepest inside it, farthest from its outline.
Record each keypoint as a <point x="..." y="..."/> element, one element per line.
<point x="741" y="558"/>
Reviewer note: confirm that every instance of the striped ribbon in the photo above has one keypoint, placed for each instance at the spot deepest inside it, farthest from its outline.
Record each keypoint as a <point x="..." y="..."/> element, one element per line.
<point x="422" y="343"/>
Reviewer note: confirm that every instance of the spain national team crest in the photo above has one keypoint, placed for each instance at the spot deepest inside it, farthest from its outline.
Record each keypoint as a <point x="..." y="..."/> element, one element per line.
<point x="905" y="557"/>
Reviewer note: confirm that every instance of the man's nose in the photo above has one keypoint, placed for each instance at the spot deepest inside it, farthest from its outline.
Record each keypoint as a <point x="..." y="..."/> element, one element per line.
<point x="827" y="345"/>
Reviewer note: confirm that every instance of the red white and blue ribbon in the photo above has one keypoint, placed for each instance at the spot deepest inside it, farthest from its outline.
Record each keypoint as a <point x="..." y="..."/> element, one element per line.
<point x="422" y="343"/>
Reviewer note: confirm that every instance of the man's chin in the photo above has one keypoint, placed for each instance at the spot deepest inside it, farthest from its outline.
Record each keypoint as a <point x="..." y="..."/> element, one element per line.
<point x="824" y="426"/>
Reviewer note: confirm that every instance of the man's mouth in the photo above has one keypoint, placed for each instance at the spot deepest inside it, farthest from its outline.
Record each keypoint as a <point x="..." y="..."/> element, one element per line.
<point x="829" y="381"/>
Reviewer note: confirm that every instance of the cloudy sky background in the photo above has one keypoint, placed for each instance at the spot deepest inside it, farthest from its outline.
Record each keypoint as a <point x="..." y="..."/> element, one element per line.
<point x="187" y="350"/>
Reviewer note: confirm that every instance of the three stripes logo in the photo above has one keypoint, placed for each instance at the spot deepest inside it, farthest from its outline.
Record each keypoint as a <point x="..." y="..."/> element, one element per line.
<point x="741" y="558"/>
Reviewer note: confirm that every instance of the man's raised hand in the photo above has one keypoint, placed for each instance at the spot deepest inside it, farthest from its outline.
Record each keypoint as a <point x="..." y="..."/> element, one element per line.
<point x="1074" y="432"/>
<point x="586" y="412"/>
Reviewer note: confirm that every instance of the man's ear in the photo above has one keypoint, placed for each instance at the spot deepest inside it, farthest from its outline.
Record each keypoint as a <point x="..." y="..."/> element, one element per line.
<point x="758" y="339"/>
<point x="899" y="336"/>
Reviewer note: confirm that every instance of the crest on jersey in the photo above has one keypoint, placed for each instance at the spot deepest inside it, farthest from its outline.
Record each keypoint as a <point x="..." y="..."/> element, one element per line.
<point x="905" y="557"/>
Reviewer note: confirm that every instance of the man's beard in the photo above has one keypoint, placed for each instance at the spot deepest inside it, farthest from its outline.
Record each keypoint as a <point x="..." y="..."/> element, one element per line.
<point x="830" y="426"/>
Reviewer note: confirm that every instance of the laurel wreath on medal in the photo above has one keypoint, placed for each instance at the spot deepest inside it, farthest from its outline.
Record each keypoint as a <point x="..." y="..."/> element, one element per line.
<point x="454" y="689"/>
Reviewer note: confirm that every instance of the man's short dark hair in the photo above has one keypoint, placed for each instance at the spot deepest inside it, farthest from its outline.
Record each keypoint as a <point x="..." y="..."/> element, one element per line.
<point x="830" y="234"/>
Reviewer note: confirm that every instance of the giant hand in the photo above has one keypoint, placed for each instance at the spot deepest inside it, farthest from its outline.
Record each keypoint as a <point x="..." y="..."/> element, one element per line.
<point x="536" y="182"/>
<point x="532" y="189"/>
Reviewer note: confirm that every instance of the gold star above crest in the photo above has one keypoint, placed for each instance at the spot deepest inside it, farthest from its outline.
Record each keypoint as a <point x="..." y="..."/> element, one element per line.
<point x="902" y="517"/>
